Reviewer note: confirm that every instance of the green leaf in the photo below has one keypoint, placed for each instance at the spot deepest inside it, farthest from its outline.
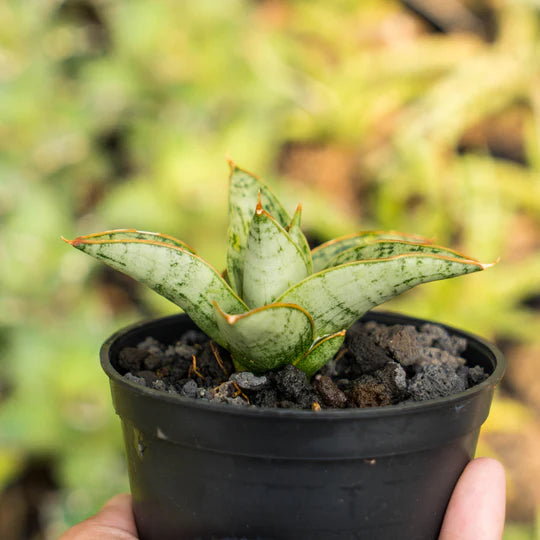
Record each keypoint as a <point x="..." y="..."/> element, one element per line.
<point x="322" y="255"/>
<point x="273" y="262"/>
<point x="267" y="337"/>
<point x="382" y="249"/>
<point x="132" y="234"/>
<point x="175" y="273"/>
<point x="244" y="189"/>
<point x="320" y="353"/>
<point x="338" y="296"/>
<point x="298" y="237"/>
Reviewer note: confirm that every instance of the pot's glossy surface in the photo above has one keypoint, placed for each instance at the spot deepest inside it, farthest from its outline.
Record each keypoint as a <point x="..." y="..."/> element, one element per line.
<point x="201" y="470"/>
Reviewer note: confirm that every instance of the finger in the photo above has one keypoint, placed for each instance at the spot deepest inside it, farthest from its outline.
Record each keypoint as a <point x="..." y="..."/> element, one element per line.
<point x="477" y="506"/>
<point x="114" y="521"/>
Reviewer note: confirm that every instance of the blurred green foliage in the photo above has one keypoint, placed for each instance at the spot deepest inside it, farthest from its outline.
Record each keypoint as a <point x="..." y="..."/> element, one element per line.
<point x="120" y="114"/>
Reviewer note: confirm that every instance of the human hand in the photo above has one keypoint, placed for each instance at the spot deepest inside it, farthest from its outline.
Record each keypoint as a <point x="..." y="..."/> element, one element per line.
<point x="475" y="511"/>
<point x="113" y="522"/>
<point x="477" y="506"/>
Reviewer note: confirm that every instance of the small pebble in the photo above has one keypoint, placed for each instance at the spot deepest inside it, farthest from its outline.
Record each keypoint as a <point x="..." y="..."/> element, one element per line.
<point x="249" y="381"/>
<point x="189" y="389"/>
<point x="159" y="385"/>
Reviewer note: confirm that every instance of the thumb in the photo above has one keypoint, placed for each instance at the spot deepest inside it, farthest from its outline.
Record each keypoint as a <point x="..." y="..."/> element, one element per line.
<point x="476" y="509"/>
<point x="114" y="521"/>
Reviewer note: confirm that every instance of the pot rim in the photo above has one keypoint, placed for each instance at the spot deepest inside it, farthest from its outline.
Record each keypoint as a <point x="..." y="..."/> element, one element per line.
<point x="486" y="347"/>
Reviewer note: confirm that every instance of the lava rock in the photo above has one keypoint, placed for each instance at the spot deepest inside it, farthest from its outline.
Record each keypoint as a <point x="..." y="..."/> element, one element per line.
<point x="153" y="362"/>
<point x="267" y="397"/>
<point x="476" y="375"/>
<point x="436" y="336"/>
<point x="328" y="392"/>
<point x="434" y="381"/>
<point x="131" y="359"/>
<point x="182" y="351"/>
<point x="394" y="378"/>
<point x="402" y="344"/>
<point x="293" y="386"/>
<point x="368" y="391"/>
<point x="368" y="356"/>
<point x="377" y="331"/>
<point x="151" y="345"/>
<point x="439" y="357"/>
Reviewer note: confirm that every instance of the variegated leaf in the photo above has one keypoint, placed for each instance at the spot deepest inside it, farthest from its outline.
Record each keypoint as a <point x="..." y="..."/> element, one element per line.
<point x="244" y="188"/>
<point x="322" y="255"/>
<point x="273" y="262"/>
<point x="338" y="296"/>
<point x="320" y="353"/>
<point x="382" y="249"/>
<point x="175" y="273"/>
<point x="298" y="237"/>
<point x="267" y="337"/>
<point x="132" y="234"/>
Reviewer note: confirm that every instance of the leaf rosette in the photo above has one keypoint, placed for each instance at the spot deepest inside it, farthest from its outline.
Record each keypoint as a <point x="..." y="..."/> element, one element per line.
<point x="278" y="302"/>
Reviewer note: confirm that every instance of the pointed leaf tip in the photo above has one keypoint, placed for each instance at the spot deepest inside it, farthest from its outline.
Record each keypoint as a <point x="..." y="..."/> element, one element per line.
<point x="76" y="242"/>
<point x="297" y="218"/>
<point x="259" y="208"/>
<point x="339" y="295"/>
<point x="231" y="163"/>
<point x="485" y="266"/>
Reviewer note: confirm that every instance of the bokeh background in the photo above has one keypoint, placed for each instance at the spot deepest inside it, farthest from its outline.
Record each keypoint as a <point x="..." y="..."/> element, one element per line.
<point x="417" y="115"/>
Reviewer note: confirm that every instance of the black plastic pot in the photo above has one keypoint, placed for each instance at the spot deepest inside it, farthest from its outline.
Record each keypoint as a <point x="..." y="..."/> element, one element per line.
<point x="201" y="470"/>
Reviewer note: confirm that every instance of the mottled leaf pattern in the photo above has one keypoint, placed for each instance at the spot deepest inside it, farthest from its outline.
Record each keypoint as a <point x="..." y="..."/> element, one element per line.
<point x="132" y="234"/>
<point x="322" y="255"/>
<point x="320" y="353"/>
<point x="244" y="189"/>
<point x="177" y="274"/>
<point x="273" y="262"/>
<point x="382" y="249"/>
<point x="268" y="337"/>
<point x="338" y="296"/>
<point x="298" y="237"/>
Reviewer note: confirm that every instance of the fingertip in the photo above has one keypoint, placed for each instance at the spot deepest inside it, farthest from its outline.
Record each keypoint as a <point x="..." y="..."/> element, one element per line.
<point x="477" y="506"/>
<point x="121" y="500"/>
<point x="117" y="512"/>
<point x="487" y="466"/>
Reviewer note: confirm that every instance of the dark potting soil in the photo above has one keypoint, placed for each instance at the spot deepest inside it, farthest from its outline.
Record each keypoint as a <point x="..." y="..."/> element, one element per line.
<point x="377" y="365"/>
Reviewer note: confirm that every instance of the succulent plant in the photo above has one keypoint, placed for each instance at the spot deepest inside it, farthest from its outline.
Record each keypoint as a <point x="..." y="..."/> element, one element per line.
<point x="277" y="302"/>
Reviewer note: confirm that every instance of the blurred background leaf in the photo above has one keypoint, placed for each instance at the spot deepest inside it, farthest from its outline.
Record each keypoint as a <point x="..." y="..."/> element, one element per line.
<point x="413" y="115"/>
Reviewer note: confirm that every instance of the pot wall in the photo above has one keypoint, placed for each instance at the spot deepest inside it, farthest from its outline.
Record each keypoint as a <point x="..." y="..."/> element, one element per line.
<point x="200" y="470"/>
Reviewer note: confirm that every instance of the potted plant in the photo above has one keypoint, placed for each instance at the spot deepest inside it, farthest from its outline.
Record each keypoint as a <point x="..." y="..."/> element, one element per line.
<point x="201" y="468"/>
